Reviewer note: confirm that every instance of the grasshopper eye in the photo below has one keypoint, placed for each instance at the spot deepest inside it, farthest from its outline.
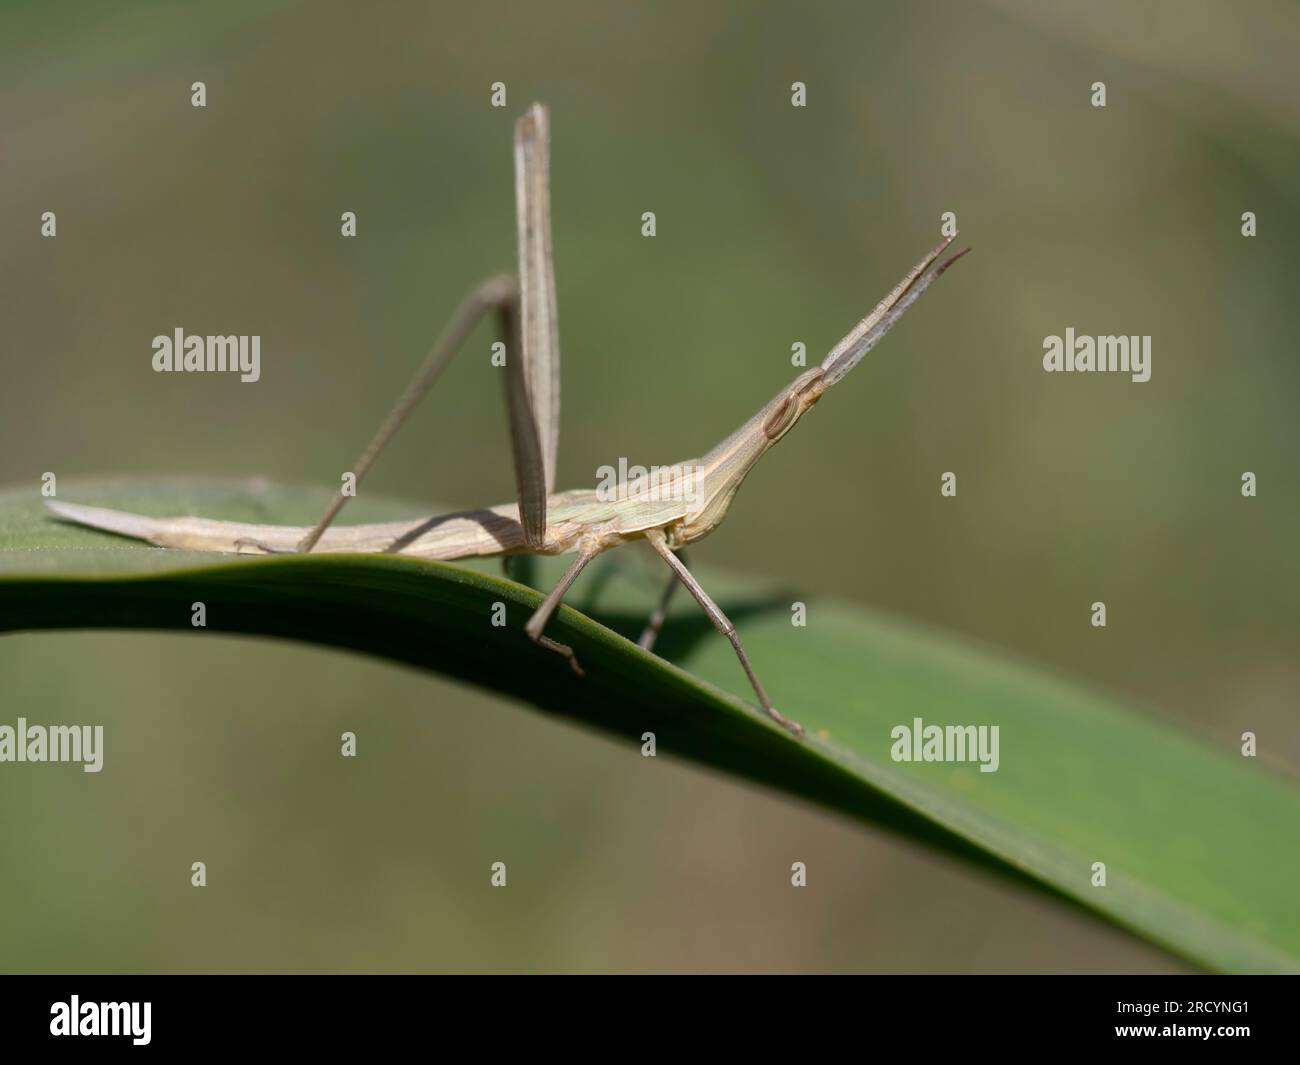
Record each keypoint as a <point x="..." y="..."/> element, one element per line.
<point x="779" y="421"/>
<point x="806" y="390"/>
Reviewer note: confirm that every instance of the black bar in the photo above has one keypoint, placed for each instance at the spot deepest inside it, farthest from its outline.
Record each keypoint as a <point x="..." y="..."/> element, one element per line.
<point x="866" y="1015"/>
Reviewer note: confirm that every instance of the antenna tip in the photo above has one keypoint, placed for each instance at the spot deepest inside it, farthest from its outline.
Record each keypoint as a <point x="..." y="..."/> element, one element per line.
<point x="952" y="259"/>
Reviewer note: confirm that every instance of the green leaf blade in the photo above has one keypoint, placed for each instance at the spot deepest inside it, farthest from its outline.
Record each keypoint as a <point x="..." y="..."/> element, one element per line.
<point x="1199" y="843"/>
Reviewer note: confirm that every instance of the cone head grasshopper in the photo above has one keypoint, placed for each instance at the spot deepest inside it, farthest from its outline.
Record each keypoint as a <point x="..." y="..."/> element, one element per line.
<point x="685" y="506"/>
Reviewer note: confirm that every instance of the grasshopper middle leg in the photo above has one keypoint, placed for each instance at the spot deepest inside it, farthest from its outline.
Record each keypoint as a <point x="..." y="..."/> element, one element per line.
<point x="543" y="613"/>
<point x="652" y="627"/>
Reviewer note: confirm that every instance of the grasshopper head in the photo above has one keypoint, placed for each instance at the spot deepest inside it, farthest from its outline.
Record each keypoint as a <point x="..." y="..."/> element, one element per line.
<point x="725" y="467"/>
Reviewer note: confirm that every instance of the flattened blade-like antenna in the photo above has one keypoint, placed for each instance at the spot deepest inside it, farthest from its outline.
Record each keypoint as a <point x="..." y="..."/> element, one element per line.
<point x="867" y="333"/>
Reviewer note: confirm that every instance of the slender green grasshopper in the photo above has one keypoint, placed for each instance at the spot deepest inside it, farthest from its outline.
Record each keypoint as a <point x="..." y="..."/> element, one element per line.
<point x="683" y="506"/>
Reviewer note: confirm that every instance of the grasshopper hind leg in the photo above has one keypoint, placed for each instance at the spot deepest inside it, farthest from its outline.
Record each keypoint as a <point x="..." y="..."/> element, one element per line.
<point x="498" y="294"/>
<point x="723" y="624"/>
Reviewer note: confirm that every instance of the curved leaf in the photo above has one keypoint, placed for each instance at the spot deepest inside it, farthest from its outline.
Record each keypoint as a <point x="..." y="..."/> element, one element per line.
<point x="1198" y="843"/>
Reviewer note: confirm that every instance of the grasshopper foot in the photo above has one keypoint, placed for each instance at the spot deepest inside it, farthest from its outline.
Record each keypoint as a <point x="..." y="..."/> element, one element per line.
<point x="794" y="726"/>
<point x="562" y="649"/>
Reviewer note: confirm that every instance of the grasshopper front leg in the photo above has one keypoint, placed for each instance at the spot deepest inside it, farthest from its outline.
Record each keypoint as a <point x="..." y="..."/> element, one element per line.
<point x="722" y="623"/>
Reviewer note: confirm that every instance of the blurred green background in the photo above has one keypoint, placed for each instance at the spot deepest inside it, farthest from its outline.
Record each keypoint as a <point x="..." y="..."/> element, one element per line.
<point x="775" y="225"/>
